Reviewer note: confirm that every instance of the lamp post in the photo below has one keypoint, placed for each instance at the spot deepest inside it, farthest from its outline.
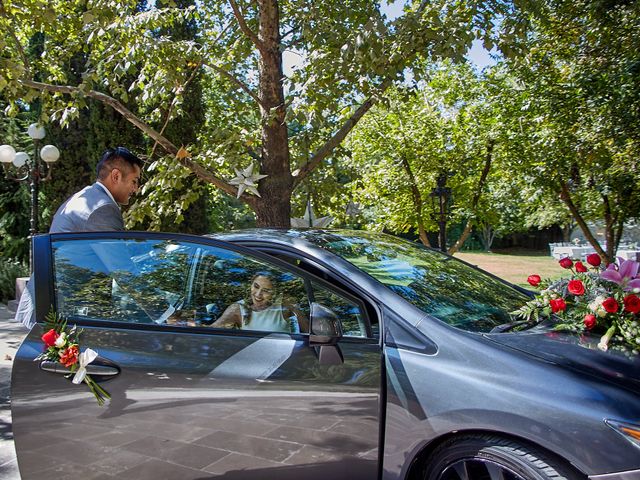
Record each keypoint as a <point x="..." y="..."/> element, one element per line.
<point x="20" y="167"/>
<point x="440" y="197"/>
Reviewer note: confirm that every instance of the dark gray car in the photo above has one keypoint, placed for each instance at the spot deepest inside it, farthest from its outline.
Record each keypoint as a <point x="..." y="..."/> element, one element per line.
<point x="392" y="361"/>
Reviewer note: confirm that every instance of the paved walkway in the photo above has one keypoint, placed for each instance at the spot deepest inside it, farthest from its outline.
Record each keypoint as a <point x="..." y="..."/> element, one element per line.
<point x="11" y="335"/>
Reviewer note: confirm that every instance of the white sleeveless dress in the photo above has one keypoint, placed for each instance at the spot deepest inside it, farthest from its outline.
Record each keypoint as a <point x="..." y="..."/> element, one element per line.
<point x="268" y="320"/>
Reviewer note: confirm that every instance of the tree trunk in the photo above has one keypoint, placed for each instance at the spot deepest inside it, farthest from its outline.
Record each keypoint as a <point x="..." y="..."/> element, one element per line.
<point x="274" y="207"/>
<point x="417" y="201"/>
<point x="476" y="198"/>
<point x="565" y="196"/>
<point x="609" y="222"/>
<point x="468" y="228"/>
<point x="618" y="233"/>
<point x="487" y="236"/>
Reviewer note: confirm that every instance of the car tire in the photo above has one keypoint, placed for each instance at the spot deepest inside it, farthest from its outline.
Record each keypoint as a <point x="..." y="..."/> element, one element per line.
<point x="488" y="457"/>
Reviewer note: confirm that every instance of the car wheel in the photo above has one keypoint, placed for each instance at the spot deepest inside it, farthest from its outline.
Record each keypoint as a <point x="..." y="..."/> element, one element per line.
<point x="487" y="457"/>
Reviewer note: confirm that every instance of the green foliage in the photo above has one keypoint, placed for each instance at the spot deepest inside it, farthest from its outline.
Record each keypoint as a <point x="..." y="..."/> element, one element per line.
<point x="146" y="54"/>
<point x="14" y="196"/>
<point x="443" y="125"/>
<point x="10" y="269"/>
<point x="574" y="107"/>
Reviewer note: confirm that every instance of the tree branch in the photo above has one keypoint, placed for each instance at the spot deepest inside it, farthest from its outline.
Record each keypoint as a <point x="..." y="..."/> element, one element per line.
<point x="608" y="225"/>
<point x="238" y="82"/>
<point x="417" y="197"/>
<point x="169" y="147"/>
<point x="243" y="25"/>
<point x="325" y="150"/>
<point x="173" y="103"/>
<point x="23" y="55"/>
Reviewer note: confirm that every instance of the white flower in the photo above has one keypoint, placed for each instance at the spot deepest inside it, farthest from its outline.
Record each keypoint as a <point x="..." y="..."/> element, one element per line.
<point x="596" y="307"/>
<point x="61" y="340"/>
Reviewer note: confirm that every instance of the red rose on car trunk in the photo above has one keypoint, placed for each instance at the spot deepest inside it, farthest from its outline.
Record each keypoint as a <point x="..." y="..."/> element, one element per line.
<point x="558" y="305"/>
<point x="594" y="259"/>
<point x="576" y="287"/>
<point x="610" y="305"/>
<point x="50" y="338"/>
<point x="580" y="267"/>
<point x="589" y="321"/>
<point x="534" y="280"/>
<point x="566" y="262"/>
<point x="632" y="303"/>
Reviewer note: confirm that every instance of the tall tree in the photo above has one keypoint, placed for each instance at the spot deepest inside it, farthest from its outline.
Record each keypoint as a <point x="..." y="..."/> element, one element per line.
<point x="447" y="125"/>
<point x="579" y="101"/>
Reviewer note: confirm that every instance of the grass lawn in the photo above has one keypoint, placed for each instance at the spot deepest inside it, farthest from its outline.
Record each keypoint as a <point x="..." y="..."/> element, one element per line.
<point x="515" y="265"/>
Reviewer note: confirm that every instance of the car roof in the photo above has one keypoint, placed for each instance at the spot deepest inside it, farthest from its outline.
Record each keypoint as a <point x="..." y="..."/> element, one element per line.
<point x="295" y="236"/>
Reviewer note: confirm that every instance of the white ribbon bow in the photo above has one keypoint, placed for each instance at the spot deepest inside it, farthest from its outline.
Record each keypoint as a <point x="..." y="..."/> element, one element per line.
<point x="84" y="359"/>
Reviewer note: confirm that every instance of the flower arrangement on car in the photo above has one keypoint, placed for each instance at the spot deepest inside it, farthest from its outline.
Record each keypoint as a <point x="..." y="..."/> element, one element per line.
<point x="593" y="298"/>
<point x="62" y="346"/>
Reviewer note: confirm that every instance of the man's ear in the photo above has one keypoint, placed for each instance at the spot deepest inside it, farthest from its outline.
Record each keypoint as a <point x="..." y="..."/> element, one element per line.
<point x="115" y="175"/>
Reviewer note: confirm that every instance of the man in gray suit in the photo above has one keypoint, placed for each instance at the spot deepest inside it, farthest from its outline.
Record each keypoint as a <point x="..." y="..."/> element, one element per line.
<point x="93" y="209"/>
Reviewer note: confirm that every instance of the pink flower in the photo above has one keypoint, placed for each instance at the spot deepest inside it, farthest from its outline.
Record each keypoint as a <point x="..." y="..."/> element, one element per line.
<point x="623" y="274"/>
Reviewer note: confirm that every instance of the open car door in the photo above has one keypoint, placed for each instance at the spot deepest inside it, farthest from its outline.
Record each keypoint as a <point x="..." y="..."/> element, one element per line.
<point x="188" y="399"/>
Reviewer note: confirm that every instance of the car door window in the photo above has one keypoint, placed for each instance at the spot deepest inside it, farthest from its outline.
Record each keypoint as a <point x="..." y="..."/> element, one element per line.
<point x="120" y="280"/>
<point x="250" y="294"/>
<point x="350" y="312"/>
<point x="185" y="284"/>
<point x="172" y="283"/>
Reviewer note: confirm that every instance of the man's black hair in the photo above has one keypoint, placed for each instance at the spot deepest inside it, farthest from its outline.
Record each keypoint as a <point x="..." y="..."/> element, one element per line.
<point x="118" y="157"/>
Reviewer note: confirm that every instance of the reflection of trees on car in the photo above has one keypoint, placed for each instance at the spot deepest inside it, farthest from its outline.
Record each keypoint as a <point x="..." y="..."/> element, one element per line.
<point x="424" y="277"/>
<point x="81" y="290"/>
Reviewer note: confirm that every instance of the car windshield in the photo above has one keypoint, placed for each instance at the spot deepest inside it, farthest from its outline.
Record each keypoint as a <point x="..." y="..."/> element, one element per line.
<point x="450" y="290"/>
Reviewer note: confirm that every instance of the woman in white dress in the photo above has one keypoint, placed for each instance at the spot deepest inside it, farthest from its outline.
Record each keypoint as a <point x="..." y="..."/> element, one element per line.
<point x="261" y="311"/>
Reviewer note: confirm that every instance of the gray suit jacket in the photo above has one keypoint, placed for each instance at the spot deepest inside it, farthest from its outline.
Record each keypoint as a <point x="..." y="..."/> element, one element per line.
<point x="89" y="210"/>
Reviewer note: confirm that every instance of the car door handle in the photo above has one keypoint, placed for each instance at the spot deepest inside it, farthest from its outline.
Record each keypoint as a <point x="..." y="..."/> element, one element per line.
<point x="57" y="367"/>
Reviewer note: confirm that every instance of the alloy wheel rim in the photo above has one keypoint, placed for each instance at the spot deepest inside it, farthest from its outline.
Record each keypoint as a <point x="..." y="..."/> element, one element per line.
<point x="478" y="469"/>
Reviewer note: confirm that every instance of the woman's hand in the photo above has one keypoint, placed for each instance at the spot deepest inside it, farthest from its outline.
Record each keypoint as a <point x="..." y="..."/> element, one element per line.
<point x="230" y="318"/>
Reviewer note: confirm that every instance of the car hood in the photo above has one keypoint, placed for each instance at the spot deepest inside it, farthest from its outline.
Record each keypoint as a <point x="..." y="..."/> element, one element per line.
<point x="578" y="352"/>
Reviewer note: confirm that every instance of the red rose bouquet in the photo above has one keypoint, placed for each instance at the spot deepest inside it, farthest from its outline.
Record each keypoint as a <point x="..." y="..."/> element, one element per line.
<point x="61" y="345"/>
<point x="593" y="298"/>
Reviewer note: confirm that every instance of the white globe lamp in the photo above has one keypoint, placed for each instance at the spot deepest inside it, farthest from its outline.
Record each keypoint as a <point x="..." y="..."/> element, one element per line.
<point x="20" y="159"/>
<point x="7" y="153"/>
<point x="35" y="131"/>
<point x="50" y="153"/>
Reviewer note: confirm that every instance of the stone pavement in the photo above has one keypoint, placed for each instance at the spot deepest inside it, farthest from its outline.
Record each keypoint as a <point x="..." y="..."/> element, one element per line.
<point x="11" y="335"/>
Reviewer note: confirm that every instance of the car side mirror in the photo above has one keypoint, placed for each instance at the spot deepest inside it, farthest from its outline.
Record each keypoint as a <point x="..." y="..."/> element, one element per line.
<point x="326" y="330"/>
<point x="325" y="326"/>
